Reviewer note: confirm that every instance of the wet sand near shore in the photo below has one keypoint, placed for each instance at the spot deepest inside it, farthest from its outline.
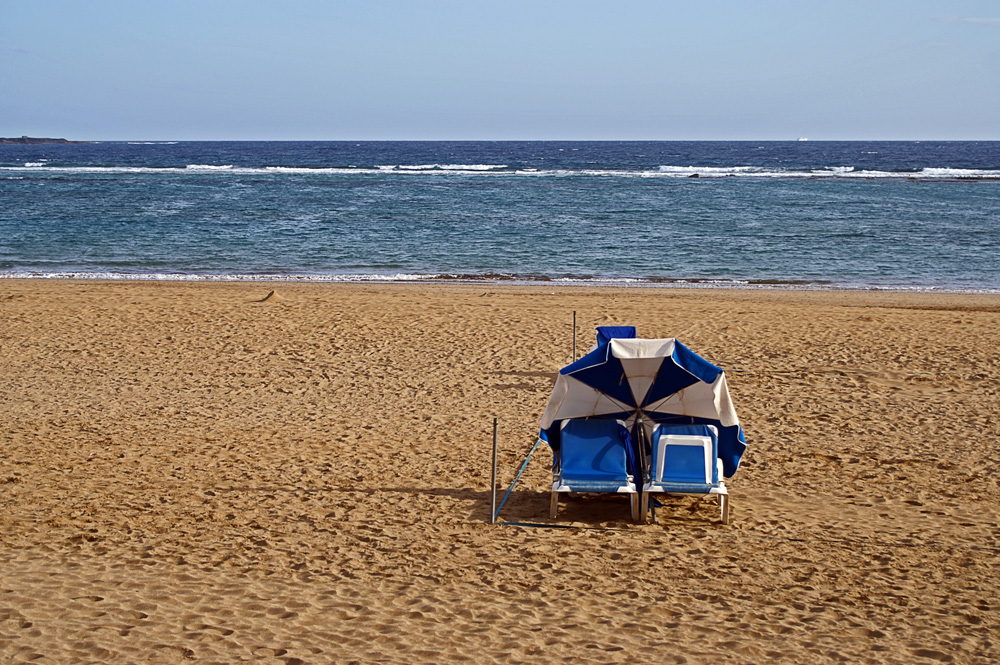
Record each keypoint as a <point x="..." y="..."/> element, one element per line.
<point x="195" y="472"/>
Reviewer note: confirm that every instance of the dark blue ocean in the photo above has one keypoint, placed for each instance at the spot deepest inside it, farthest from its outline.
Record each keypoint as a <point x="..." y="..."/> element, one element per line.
<point x="794" y="214"/>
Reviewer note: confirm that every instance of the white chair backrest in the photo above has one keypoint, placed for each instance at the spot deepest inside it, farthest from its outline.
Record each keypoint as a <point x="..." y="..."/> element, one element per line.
<point x="702" y="443"/>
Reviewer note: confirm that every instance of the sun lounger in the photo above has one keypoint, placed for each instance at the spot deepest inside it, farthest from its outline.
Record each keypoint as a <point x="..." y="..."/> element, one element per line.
<point x="593" y="455"/>
<point x="685" y="460"/>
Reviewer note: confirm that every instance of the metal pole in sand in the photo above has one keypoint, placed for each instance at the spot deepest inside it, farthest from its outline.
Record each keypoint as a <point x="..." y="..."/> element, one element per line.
<point x="493" y="478"/>
<point x="574" y="335"/>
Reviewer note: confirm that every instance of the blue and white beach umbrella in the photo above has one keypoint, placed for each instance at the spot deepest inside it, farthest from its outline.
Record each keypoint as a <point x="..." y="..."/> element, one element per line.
<point x="646" y="381"/>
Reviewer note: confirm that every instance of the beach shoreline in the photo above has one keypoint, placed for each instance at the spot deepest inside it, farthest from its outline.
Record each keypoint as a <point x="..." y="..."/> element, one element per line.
<point x="299" y="472"/>
<point x="445" y="279"/>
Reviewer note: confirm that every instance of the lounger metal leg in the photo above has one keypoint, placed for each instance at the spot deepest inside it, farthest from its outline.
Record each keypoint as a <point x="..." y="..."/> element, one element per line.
<point x="645" y="506"/>
<point x="724" y="504"/>
<point x="635" y="507"/>
<point x="554" y="506"/>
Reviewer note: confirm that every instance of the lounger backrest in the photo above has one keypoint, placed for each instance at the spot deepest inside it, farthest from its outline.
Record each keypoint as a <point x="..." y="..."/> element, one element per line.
<point x="607" y="333"/>
<point x="593" y="448"/>
<point x="685" y="454"/>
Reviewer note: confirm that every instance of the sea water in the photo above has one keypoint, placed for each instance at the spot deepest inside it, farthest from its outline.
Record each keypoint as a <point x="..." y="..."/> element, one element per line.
<point x="790" y="214"/>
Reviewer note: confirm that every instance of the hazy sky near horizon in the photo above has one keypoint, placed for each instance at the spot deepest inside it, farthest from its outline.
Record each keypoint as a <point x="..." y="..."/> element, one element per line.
<point x="467" y="69"/>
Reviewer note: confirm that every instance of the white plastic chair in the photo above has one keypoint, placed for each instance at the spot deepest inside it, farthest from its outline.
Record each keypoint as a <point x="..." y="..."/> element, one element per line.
<point x="685" y="460"/>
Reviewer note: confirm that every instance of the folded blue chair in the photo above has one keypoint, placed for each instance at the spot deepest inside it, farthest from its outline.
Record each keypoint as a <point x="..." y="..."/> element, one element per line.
<point x="607" y="333"/>
<point x="685" y="460"/>
<point x="593" y="455"/>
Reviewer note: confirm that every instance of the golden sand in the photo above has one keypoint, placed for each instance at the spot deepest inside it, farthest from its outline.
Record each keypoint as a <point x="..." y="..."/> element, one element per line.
<point x="202" y="473"/>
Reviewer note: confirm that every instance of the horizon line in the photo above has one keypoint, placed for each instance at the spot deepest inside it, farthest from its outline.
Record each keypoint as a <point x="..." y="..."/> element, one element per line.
<point x="503" y="140"/>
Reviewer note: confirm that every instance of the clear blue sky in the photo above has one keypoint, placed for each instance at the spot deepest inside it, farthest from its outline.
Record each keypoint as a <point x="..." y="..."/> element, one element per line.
<point x="510" y="69"/>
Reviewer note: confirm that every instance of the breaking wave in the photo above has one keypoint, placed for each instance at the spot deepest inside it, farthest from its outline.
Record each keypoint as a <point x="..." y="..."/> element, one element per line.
<point x="498" y="278"/>
<point x="502" y="170"/>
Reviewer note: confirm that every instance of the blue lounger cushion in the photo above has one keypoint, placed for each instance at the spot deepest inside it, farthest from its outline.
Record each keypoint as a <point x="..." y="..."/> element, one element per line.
<point x="593" y="455"/>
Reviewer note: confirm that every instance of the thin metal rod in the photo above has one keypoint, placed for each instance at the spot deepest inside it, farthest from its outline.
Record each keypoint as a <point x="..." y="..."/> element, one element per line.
<point x="516" y="478"/>
<point x="493" y="478"/>
<point x="574" y="335"/>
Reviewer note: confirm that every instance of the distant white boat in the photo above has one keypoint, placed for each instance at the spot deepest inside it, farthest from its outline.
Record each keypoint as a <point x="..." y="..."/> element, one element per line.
<point x="802" y="138"/>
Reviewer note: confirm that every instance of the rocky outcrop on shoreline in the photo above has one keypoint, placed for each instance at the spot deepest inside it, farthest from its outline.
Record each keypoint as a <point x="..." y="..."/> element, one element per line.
<point x="26" y="140"/>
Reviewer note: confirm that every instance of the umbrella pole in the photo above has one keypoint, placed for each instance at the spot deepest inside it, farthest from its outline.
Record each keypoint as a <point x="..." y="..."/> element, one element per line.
<point x="493" y="478"/>
<point x="643" y="462"/>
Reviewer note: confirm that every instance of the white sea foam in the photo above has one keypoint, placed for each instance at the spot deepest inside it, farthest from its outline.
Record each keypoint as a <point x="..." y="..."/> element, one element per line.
<point x="826" y="172"/>
<point x="709" y="171"/>
<point x="316" y="170"/>
<point x="209" y="167"/>
<point x="959" y="173"/>
<point x="838" y="170"/>
<point x="592" y="280"/>
<point x="442" y="167"/>
<point x="499" y="170"/>
<point x="506" y="279"/>
<point x="35" y="167"/>
<point x="235" y="277"/>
